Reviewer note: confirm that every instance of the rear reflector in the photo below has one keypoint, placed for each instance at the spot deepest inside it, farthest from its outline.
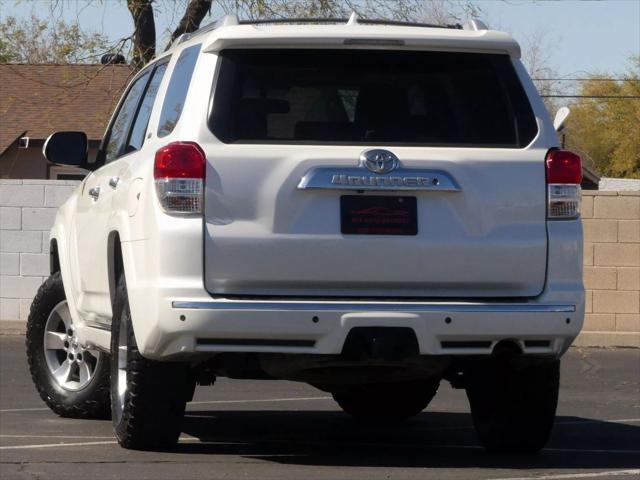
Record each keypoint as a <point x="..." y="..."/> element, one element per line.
<point x="179" y="174"/>
<point x="564" y="174"/>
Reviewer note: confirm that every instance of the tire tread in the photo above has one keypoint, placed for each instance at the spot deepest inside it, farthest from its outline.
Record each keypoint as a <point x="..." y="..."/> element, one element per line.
<point x="513" y="409"/>
<point x="95" y="406"/>
<point x="155" y="404"/>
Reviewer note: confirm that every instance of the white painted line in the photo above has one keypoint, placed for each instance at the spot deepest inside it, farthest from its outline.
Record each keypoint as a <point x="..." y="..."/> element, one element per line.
<point x="360" y="444"/>
<point x="54" y="445"/>
<point x="613" y="473"/>
<point x="260" y="400"/>
<point x="580" y="422"/>
<point x="477" y="447"/>
<point x="53" y="436"/>
<point x="206" y="402"/>
<point x="590" y="450"/>
<point x="8" y="410"/>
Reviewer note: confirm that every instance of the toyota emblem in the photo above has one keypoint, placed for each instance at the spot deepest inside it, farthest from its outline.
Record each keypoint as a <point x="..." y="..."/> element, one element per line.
<point x="379" y="161"/>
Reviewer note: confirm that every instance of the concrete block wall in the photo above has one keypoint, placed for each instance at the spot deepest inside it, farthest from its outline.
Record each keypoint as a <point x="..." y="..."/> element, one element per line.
<point x="611" y="268"/>
<point x="611" y="255"/>
<point x="27" y="212"/>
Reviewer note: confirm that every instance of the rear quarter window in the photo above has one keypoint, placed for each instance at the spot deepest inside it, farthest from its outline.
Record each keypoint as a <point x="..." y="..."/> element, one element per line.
<point x="370" y="97"/>
<point x="177" y="90"/>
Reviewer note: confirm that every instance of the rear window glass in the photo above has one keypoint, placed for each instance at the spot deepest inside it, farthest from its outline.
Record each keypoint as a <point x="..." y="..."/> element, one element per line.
<point x="177" y="90"/>
<point x="369" y="97"/>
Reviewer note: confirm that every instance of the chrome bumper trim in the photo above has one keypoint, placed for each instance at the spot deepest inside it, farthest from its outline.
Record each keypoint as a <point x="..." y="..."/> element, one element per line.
<point x="374" y="307"/>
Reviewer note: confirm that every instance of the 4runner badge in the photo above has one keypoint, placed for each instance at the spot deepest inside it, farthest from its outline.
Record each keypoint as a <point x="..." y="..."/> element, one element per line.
<point x="388" y="174"/>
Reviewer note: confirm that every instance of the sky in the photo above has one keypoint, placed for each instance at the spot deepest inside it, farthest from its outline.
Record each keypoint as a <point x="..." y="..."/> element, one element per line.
<point x="582" y="35"/>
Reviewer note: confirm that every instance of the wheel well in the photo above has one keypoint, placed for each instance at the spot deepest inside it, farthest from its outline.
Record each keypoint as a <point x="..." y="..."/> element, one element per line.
<point x="54" y="259"/>
<point x="116" y="265"/>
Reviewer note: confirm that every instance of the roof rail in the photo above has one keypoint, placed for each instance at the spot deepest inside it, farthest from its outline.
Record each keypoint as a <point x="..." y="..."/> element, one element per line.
<point x="229" y="20"/>
<point x="352" y="20"/>
<point x="475" y="24"/>
<point x="374" y="21"/>
<point x="268" y="21"/>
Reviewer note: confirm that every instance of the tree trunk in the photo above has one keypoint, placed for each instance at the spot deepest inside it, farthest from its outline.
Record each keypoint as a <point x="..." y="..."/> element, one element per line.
<point x="190" y="22"/>
<point x="144" y="36"/>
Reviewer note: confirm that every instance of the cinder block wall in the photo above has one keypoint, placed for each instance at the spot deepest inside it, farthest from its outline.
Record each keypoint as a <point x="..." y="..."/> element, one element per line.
<point x="27" y="212"/>
<point x="611" y="255"/>
<point x="611" y="268"/>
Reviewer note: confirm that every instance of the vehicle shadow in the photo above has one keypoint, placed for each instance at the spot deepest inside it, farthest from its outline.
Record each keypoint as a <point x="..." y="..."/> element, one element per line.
<point x="436" y="440"/>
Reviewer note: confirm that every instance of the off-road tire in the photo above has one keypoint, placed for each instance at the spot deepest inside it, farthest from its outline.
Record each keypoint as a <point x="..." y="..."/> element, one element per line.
<point x="513" y="408"/>
<point x="157" y="392"/>
<point x="386" y="402"/>
<point x="91" y="402"/>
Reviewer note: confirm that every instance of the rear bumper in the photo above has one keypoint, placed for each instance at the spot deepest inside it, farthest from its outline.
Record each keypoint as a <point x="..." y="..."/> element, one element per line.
<point x="191" y="326"/>
<point x="173" y="315"/>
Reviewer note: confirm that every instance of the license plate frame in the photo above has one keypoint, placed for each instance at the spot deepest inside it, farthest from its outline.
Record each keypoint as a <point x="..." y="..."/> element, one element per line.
<point x="378" y="215"/>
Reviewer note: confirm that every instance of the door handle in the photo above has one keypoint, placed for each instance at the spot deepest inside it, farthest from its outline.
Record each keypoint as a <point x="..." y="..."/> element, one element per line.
<point x="94" y="192"/>
<point x="113" y="182"/>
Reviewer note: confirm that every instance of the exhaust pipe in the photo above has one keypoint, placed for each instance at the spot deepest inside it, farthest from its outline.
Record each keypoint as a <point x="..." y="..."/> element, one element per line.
<point x="506" y="349"/>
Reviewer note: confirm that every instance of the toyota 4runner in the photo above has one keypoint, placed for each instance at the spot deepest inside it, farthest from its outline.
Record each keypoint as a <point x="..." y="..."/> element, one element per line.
<point x="369" y="207"/>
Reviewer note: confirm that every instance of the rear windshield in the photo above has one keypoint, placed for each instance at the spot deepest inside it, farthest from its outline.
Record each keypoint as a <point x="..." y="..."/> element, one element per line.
<point x="370" y="97"/>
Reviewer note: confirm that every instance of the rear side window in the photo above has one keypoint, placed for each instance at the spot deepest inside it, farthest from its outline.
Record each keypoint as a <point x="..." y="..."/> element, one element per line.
<point x="120" y="126"/>
<point x="177" y="90"/>
<point x="139" y="128"/>
<point x="369" y="97"/>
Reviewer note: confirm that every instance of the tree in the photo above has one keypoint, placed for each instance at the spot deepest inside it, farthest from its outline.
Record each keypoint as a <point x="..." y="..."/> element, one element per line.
<point x="606" y="131"/>
<point x="31" y="41"/>
<point x="144" y="35"/>
<point x="36" y="40"/>
<point x="436" y="11"/>
<point x="537" y="55"/>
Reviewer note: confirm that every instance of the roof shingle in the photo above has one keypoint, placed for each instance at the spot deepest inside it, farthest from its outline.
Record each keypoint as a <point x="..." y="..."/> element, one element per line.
<point x="44" y="98"/>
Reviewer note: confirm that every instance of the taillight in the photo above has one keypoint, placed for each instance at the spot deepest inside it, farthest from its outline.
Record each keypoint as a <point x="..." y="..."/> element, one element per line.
<point x="564" y="175"/>
<point x="179" y="175"/>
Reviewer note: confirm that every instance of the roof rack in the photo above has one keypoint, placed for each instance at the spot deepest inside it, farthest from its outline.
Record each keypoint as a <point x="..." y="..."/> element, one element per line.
<point x="350" y="21"/>
<point x="229" y="20"/>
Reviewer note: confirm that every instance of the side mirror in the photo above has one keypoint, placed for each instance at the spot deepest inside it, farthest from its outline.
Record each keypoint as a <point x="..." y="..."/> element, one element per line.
<point x="67" y="148"/>
<point x="561" y="117"/>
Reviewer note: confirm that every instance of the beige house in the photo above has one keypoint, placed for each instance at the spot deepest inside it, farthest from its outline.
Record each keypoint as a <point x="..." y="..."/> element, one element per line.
<point x="37" y="100"/>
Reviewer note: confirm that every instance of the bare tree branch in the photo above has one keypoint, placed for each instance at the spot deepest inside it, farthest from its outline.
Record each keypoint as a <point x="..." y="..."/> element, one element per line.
<point x="196" y="10"/>
<point x="144" y="36"/>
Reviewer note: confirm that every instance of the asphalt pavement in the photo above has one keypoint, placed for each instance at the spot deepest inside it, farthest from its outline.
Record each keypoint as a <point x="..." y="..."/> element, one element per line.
<point x="284" y="430"/>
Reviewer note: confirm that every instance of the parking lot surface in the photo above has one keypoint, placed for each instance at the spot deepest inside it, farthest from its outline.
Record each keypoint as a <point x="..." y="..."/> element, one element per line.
<point x="283" y="430"/>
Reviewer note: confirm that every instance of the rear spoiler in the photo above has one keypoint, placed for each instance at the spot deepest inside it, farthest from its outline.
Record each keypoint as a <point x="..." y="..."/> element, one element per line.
<point x="372" y="36"/>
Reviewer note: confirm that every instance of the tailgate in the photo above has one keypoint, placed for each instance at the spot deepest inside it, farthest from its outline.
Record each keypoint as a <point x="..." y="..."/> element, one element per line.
<point x="294" y="133"/>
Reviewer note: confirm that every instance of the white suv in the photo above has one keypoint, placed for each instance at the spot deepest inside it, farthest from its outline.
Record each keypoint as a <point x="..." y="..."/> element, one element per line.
<point x="369" y="207"/>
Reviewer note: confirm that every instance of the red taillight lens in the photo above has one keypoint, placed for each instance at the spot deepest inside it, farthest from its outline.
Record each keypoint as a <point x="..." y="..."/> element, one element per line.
<point x="179" y="160"/>
<point x="564" y="167"/>
<point x="564" y="175"/>
<point x="179" y="176"/>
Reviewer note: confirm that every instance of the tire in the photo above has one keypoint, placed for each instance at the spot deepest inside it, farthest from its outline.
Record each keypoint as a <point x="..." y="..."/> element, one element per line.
<point x="148" y="398"/>
<point x="387" y="402"/>
<point x="72" y="381"/>
<point x="513" y="409"/>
